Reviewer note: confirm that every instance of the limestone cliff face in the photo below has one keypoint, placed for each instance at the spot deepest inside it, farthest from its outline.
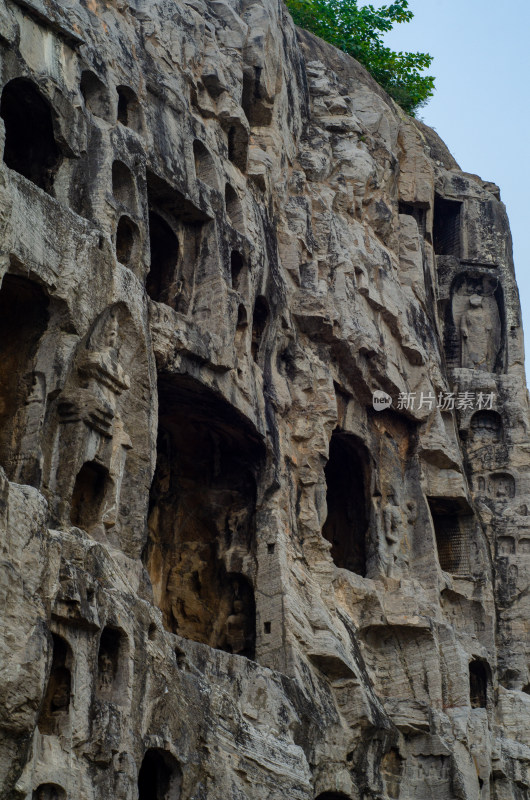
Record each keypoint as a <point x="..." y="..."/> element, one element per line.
<point x="226" y="573"/>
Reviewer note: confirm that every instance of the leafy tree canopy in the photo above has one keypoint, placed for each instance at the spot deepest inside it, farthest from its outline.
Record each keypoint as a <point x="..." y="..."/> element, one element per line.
<point x="359" y="32"/>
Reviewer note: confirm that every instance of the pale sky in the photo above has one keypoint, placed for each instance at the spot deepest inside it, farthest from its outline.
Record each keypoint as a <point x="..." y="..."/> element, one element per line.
<point x="481" y="104"/>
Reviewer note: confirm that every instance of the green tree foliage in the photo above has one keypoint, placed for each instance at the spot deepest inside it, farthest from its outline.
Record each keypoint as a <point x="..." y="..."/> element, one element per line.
<point x="359" y="32"/>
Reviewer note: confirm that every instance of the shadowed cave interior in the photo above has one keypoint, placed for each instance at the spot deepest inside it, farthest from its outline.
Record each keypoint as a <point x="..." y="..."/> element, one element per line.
<point x="200" y="552"/>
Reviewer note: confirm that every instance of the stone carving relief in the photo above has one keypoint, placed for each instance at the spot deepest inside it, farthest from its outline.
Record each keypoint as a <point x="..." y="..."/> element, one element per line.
<point x="91" y="443"/>
<point x="523" y="547"/>
<point x="125" y="777"/>
<point x="477" y="321"/>
<point x="501" y="486"/>
<point x="397" y="520"/>
<point x="506" y="545"/>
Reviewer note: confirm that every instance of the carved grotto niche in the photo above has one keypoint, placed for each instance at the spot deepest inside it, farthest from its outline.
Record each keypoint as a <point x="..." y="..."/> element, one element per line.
<point x="501" y="486"/>
<point x="124" y="186"/>
<point x="162" y="283"/>
<point x="506" y="546"/>
<point x="112" y="672"/>
<point x="175" y="237"/>
<point x="30" y="146"/>
<point x="238" y="272"/>
<point x="447" y="227"/>
<point x="49" y="791"/>
<point x="92" y="485"/>
<point x="346" y="523"/>
<point x="237" y="140"/>
<point x="160" y="776"/>
<point x="475" y="329"/>
<point x="486" y="426"/>
<point x="96" y="95"/>
<point x="89" y="451"/>
<point x="129" y="109"/>
<point x="523" y="547"/>
<point x="258" y="109"/>
<point x="201" y="517"/>
<point x="204" y="165"/>
<point x="23" y="320"/>
<point x="452" y="531"/>
<point x="53" y="717"/>
<point x="478" y="683"/>
<point x="127" y="241"/>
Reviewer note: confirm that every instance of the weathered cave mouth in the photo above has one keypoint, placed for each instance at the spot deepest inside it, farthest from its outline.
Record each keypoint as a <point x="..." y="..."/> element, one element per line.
<point x="201" y="548"/>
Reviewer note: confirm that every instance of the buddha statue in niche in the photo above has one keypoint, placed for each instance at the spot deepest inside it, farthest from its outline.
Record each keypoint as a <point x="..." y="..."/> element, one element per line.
<point x="479" y="329"/>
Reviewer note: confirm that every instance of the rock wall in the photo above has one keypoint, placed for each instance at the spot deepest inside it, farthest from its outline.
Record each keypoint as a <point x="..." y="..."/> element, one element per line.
<point x="228" y="570"/>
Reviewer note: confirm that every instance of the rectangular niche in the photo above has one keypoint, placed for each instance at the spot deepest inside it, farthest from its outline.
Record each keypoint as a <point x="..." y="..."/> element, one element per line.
<point x="452" y="530"/>
<point x="446" y="227"/>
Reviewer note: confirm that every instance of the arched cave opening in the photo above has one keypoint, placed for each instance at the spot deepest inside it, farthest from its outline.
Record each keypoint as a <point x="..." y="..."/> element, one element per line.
<point x="49" y="791"/>
<point x="160" y="776"/>
<point x="127" y="236"/>
<point x="30" y="147"/>
<point x="202" y="516"/>
<point x="95" y="94"/>
<point x="90" y="490"/>
<point x="112" y="665"/>
<point x="346" y="523"/>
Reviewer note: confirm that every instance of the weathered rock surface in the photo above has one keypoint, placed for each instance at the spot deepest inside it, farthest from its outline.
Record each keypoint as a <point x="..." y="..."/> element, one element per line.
<point x="224" y="573"/>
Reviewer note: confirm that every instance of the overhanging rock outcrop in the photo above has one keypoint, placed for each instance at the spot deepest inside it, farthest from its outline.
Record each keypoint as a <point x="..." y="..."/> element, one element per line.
<point x="229" y="569"/>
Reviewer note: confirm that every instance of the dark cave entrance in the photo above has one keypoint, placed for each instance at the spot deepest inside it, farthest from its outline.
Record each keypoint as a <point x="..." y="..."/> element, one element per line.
<point x="90" y="490"/>
<point x="160" y="776"/>
<point x="30" y="146"/>
<point x="446" y="227"/>
<point x="346" y="523"/>
<point x="164" y="247"/>
<point x="201" y="517"/>
<point x="478" y="684"/>
<point x="23" y="321"/>
<point x="54" y="712"/>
